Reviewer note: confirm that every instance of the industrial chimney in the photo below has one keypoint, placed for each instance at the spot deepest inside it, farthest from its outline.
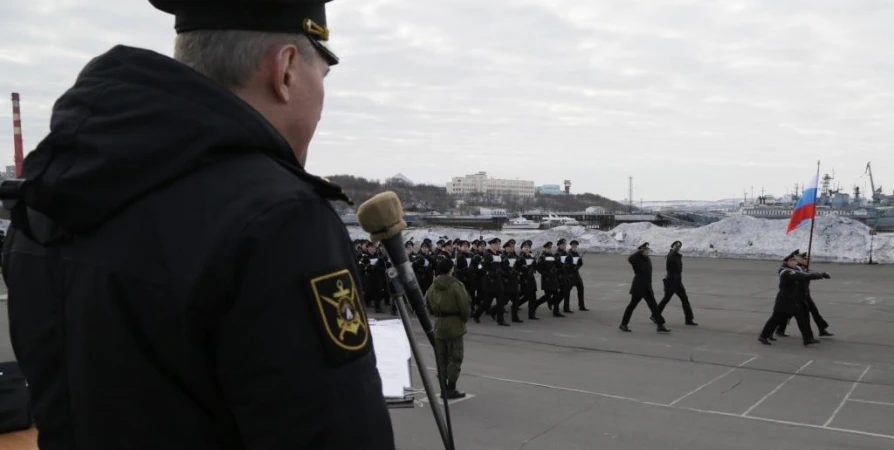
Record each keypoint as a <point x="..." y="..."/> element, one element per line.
<point x="17" y="133"/>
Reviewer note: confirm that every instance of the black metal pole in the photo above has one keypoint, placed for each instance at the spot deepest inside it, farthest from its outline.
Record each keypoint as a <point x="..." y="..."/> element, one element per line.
<point x="445" y="426"/>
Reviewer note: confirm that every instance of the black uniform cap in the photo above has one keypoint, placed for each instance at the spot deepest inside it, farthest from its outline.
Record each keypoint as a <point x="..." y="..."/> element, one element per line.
<point x="448" y="243"/>
<point x="527" y="244"/>
<point x="511" y="242"/>
<point x="676" y="242"/>
<point x="440" y="242"/>
<point x="494" y="241"/>
<point x="560" y="241"/>
<point x="409" y="243"/>
<point x="426" y="241"/>
<point x="425" y="245"/>
<point x="574" y="243"/>
<point x="791" y="255"/>
<point x="645" y="245"/>
<point x="548" y="244"/>
<point x="444" y="266"/>
<point x="507" y="245"/>
<point x="307" y="17"/>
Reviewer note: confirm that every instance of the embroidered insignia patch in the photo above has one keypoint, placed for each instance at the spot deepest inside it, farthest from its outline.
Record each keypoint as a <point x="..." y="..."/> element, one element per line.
<point x="341" y="311"/>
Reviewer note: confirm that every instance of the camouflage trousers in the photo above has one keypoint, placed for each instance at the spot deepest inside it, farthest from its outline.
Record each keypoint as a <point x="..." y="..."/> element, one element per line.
<point x="450" y="357"/>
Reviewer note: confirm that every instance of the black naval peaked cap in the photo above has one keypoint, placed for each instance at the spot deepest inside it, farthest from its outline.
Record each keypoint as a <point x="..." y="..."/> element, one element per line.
<point x="574" y="243"/>
<point x="527" y="244"/>
<point x="307" y="17"/>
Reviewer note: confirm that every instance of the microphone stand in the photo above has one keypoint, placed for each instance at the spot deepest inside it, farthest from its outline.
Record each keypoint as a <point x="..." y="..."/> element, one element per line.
<point x="442" y="419"/>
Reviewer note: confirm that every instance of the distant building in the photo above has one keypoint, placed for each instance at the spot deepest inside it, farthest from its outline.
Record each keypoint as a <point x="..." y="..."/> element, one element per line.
<point x="480" y="183"/>
<point x="550" y="189"/>
<point x="595" y="210"/>
<point x="10" y="171"/>
<point x="491" y="211"/>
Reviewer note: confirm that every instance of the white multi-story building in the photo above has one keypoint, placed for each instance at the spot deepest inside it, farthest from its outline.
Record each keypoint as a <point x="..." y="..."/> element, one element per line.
<point x="480" y="183"/>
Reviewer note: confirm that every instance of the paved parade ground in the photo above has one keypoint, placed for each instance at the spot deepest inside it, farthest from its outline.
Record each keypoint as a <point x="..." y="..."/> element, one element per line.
<point x="580" y="383"/>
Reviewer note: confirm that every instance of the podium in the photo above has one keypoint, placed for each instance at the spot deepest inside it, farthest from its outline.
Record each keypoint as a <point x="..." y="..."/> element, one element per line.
<point x="393" y="355"/>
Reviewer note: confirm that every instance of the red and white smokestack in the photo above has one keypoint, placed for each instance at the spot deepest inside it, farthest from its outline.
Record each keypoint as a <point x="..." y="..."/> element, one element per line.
<point x="17" y="133"/>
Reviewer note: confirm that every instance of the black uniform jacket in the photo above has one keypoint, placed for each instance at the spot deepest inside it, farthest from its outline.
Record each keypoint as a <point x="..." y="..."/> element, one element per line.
<point x="791" y="297"/>
<point x="574" y="267"/>
<point x="642" y="274"/>
<point x="511" y="275"/>
<point x="546" y="265"/>
<point x="674" y="265"/>
<point x="527" y="268"/>
<point x="495" y="265"/>
<point x="180" y="281"/>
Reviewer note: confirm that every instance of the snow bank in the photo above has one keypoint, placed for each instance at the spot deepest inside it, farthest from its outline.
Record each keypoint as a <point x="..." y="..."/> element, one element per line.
<point x="836" y="239"/>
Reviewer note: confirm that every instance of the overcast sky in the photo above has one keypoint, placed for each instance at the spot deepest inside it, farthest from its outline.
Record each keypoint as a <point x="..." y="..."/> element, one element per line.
<point x="695" y="99"/>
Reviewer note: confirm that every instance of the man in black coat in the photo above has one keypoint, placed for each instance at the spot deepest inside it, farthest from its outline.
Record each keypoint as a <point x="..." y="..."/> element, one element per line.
<point x="641" y="288"/>
<point x="495" y="266"/>
<point x="528" y="282"/>
<point x="177" y="279"/>
<point x="822" y="325"/>
<point x="575" y="262"/>
<point x="790" y="300"/>
<point x="512" y="279"/>
<point x="424" y="265"/>
<point x="563" y="270"/>
<point x="549" y="280"/>
<point x="673" y="283"/>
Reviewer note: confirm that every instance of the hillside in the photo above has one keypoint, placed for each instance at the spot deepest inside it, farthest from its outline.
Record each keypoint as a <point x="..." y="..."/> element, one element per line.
<point x="426" y="198"/>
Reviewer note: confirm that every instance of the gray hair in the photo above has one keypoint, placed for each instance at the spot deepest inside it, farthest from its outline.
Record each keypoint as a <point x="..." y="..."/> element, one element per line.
<point x="230" y="57"/>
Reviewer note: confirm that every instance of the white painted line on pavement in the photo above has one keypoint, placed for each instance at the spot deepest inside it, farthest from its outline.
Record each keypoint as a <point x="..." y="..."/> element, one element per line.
<point x="870" y="402"/>
<point x="565" y="335"/>
<point x="785" y="422"/>
<point x="777" y="388"/>
<point x="848" y="363"/>
<point x="844" y="400"/>
<point x="702" y="411"/>
<point x="712" y="381"/>
<point x="449" y="402"/>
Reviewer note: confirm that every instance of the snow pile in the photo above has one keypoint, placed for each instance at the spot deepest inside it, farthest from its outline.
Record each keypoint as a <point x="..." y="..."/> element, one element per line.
<point x="836" y="239"/>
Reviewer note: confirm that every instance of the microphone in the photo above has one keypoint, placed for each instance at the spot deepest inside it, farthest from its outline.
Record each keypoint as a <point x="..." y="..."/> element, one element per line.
<point x="383" y="218"/>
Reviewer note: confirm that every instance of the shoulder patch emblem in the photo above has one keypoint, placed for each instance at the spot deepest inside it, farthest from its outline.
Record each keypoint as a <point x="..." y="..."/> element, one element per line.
<point x="341" y="312"/>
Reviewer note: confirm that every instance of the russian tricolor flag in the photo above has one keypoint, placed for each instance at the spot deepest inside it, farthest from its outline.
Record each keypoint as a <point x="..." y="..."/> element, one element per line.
<point x="805" y="210"/>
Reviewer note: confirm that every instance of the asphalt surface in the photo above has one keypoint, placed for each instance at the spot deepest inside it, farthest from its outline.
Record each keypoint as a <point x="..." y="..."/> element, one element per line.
<point x="580" y="383"/>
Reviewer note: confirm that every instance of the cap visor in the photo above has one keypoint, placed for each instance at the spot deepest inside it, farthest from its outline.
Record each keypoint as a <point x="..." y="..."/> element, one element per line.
<point x="324" y="50"/>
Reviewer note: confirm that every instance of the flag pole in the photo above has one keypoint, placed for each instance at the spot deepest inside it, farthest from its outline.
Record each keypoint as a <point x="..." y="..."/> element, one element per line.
<point x="813" y="219"/>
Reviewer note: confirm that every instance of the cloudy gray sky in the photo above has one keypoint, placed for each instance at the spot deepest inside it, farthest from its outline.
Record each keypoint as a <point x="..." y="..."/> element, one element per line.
<point x="695" y="99"/>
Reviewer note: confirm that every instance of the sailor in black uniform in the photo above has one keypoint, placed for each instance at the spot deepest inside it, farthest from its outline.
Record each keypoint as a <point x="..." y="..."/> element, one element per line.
<point x="790" y="300"/>
<point x="641" y="288"/>
<point x="575" y="262"/>
<point x="673" y="283"/>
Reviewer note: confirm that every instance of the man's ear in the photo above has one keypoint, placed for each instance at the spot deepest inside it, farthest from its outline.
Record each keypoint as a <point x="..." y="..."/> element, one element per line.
<point x="285" y="74"/>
